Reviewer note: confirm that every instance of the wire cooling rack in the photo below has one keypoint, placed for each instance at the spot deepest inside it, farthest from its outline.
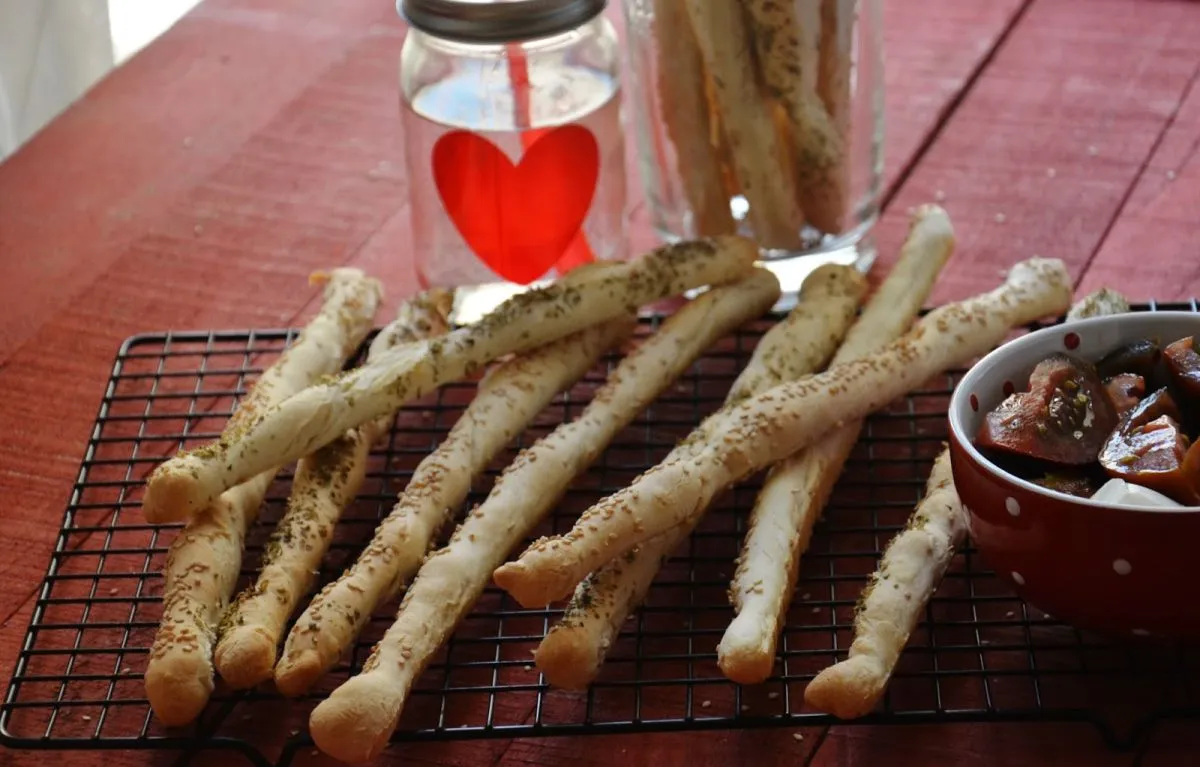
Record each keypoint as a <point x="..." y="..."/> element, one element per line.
<point x="980" y="654"/>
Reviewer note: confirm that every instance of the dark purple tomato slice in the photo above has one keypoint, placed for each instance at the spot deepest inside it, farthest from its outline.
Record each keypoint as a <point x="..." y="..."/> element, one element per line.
<point x="1183" y="364"/>
<point x="1063" y="419"/>
<point x="1126" y="391"/>
<point x="1150" y="449"/>
<point x="1140" y="357"/>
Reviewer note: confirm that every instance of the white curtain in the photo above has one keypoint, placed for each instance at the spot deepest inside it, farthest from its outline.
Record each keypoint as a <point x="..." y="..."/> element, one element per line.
<point x="52" y="51"/>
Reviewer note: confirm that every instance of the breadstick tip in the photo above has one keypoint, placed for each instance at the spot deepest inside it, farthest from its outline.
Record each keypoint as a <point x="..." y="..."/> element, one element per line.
<point x="298" y="671"/>
<point x="356" y="721"/>
<point x="319" y="278"/>
<point x="849" y="689"/>
<point x="522" y="585"/>
<point x="172" y="492"/>
<point x="741" y="654"/>
<point x="567" y="658"/>
<point x="179" y="687"/>
<point x="245" y="657"/>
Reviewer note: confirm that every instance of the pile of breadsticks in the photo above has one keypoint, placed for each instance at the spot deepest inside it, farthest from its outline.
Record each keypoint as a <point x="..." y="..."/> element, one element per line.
<point x="746" y="87"/>
<point x="782" y="413"/>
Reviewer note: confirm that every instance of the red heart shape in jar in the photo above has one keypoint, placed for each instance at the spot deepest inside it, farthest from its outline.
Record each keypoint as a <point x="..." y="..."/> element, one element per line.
<point x="518" y="218"/>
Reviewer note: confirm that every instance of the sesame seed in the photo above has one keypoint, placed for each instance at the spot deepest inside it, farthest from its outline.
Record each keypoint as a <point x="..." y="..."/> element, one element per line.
<point x="805" y="595"/>
<point x="1051" y="172"/>
<point x="188" y="141"/>
<point x="112" y="591"/>
<point x="816" y="610"/>
<point x="984" y="641"/>
<point x="1093" y="150"/>
<point x="198" y="229"/>
<point x="86" y="718"/>
<point x="528" y="667"/>
<point x="1170" y="175"/>
<point x="939" y="196"/>
<point x="705" y="703"/>
<point x="797" y="736"/>
<point x="1000" y="218"/>
<point x="1009" y="614"/>
<point x="773" y="695"/>
<point x="745" y="707"/>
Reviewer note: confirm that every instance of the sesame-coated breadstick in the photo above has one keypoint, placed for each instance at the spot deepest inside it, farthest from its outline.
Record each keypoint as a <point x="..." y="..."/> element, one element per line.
<point x="205" y="557"/>
<point x="780" y="422"/>
<point x="325" y="483"/>
<point x="355" y="722"/>
<point x="320" y="414"/>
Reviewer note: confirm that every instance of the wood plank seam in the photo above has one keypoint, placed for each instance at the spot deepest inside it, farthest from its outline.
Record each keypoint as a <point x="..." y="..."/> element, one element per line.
<point x="1167" y="125"/>
<point x="951" y="106"/>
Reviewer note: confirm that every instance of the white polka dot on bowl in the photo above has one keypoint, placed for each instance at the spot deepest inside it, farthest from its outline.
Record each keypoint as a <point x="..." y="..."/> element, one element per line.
<point x="1011" y="505"/>
<point x="1122" y="567"/>
<point x="1020" y="579"/>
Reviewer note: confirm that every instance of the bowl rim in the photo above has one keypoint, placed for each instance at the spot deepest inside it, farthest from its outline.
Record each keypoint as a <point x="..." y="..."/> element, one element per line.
<point x="959" y="401"/>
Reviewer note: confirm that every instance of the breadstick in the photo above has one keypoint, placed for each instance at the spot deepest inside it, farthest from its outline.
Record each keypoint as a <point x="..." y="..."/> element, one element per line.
<point x="833" y="78"/>
<point x="892" y="603"/>
<point x="684" y="108"/>
<point x="780" y="422"/>
<point x="571" y="654"/>
<point x="203" y="561"/>
<point x="325" y="483"/>
<point x="320" y="414"/>
<point x="506" y="401"/>
<point x="797" y="488"/>
<point x="355" y="722"/>
<point x="786" y="38"/>
<point x="908" y="574"/>
<point x="757" y="155"/>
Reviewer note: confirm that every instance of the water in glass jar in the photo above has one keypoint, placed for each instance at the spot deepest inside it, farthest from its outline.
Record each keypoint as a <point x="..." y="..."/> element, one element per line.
<point x="503" y="100"/>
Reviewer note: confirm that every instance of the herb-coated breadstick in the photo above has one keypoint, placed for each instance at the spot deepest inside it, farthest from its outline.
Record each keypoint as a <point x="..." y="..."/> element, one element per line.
<point x="780" y="422"/>
<point x="571" y="654"/>
<point x="325" y="483"/>
<point x="508" y="398"/>
<point x="355" y="722"/>
<point x="797" y="488"/>
<point x="891" y="604"/>
<point x="758" y="154"/>
<point x="686" y="115"/>
<point x="908" y="574"/>
<point x="204" y="559"/>
<point x="786" y="37"/>
<point x="836" y="44"/>
<point x="320" y="414"/>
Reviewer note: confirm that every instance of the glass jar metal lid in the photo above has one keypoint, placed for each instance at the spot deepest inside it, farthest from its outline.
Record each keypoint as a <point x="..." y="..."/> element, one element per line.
<point x="498" y="21"/>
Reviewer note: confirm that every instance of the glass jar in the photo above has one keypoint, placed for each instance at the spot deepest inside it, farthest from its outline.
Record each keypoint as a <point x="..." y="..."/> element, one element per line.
<point x="761" y="117"/>
<point x="513" y="143"/>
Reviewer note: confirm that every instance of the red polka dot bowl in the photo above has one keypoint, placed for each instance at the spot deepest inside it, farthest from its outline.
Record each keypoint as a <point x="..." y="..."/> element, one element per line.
<point x="1121" y="570"/>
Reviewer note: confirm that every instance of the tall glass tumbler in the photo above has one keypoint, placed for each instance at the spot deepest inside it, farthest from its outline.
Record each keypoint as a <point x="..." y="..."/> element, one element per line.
<point x="763" y="117"/>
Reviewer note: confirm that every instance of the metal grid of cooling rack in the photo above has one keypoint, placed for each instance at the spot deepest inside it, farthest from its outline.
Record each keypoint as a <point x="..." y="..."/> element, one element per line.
<point x="980" y="654"/>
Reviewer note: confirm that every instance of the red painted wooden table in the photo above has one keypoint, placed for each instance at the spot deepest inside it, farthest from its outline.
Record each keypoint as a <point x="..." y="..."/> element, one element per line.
<point x="258" y="140"/>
